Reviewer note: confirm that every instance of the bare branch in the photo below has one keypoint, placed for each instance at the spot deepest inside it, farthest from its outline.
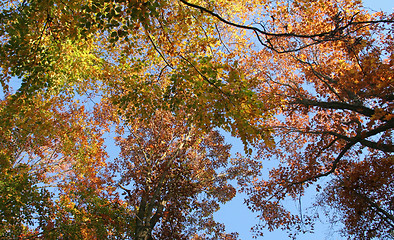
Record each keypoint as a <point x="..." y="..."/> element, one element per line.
<point x="328" y="34"/>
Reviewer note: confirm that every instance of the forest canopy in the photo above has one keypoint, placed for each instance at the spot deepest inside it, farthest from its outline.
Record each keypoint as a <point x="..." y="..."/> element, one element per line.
<point x="305" y="84"/>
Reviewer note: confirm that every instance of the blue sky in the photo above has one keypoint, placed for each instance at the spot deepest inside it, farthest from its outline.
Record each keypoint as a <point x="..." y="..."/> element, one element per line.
<point x="238" y="218"/>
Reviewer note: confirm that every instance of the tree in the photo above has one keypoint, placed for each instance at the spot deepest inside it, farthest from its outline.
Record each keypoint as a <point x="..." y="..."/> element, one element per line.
<point x="53" y="47"/>
<point x="50" y="149"/>
<point x="330" y="73"/>
<point x="21" y="202"/>
<point x="174" y="178"/>
<point x="69" y="44"/>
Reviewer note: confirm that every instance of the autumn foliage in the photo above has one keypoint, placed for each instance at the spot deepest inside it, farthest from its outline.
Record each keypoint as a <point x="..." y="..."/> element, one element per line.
<point x="115" y="131"/>
<point x="173" y="178"/>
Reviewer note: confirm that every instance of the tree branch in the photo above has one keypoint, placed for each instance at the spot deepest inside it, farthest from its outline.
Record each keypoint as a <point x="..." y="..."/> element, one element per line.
<point x="351" y="142"/>
<point x="322" y="34"/>
<point x="375" y="206"/>
<point x="361" y="138"/>
<point x="332" y="169"/>
<point x="336" y="105"/>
